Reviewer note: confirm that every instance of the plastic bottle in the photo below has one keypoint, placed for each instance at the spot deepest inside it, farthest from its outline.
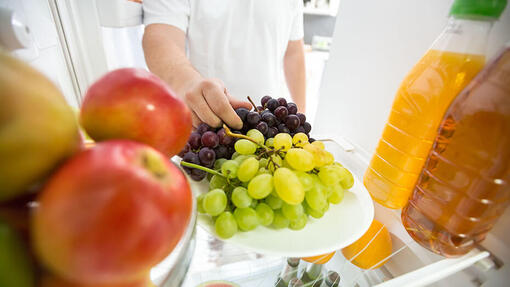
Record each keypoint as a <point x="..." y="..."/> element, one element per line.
<point x="450" y="64"/>
<point x="332" y="279"/>
<point x="312" y="275"/>
<point x="464" y="186"/>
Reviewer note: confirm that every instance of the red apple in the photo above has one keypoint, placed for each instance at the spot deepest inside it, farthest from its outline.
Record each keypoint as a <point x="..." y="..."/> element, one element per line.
<point x="135" y="104"/>
<point x="110" y="213"/>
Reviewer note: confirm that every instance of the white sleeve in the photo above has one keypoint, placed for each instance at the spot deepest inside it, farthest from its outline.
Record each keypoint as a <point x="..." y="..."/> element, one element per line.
<point x="171" y="12"/>
<point x="296" y="31"/>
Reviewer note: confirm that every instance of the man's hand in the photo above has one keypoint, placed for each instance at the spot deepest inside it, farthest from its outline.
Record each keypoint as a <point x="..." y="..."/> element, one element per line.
<point x="207" y="98"/>
<point x="210" y="103"/>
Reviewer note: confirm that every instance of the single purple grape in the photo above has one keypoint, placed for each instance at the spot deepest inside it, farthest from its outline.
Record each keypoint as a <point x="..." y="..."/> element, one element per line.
<point x="282" y="102"/>
<point x="242" y="112"/>
<point x="221" y="152"/>
<point x="260" y="108"/>
<point x="300" y="129"/>
<point x="210" y="139"/>
<point x="224" y="139"/>
<point x="302" y="118"/>
<point x="292" y="108"/>
<point x="281" y="112"/>
<point x="253" y="118"/>
<point x="283" y="128"/>
<point x="206" y="156"/>
<point x="191" y="157"/>
<point x="197" y="174"/>
<point x="269" y="118"/>
<point x="272" y="132"/>
<point x="272" y="104"/>
<point x="308" y="127"/>
<point x="292" y="122"/>
<point x="186" y="149"/>
<point x="195" y="140"/>
<point x="262" y="127"/>
<point x="264" y="100"/>
<point x="202" y="128"/>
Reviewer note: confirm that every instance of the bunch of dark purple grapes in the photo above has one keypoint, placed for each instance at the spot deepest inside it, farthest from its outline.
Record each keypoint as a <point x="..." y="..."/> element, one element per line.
<point x="274" y="116"/>
<point x="205" y="145"/>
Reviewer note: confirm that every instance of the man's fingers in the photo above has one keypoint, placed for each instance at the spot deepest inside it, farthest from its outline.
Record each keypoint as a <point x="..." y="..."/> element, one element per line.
<point x="238" y="104"/>
<point x="195" y="120"/>
<point x="220" y="105"/>
<point x="197" y="103"/>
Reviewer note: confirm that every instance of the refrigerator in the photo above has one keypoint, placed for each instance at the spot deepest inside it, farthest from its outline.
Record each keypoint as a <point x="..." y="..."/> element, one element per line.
<point x="375" y="43"/>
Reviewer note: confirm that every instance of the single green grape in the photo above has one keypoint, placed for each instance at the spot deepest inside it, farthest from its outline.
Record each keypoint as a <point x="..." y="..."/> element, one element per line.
<point x="270" y="142"/>
<point x="316" y="199"/>
<point x="292" y="211"/>
<point x="319" y="144"/>
<point x="248" y="169"/>
<point x="240" y="197"/>
<point x="299" y="223"/>
<point x="274" y="201"/>
<point x="329" y="174"/>
<point x="217" y="182"/>
<point x="265" y="214"/>
<point x="240" y="158"/>
<point x="312" y="212"/>
<point x="328" y="157"/>
<point x="337" y="195"/>
<point x="300" y="159"/>
<point x="288" y="186"/>
<point x="200" y="200"/>
<point x="246" y="218"/>
<point x="282" y="141"/>
<point x="225" y="225"/>
<point x="279" y="220"/>
<point x="263" y="171"/>
<point x="274" y="162"/>
<point x="229" y="168"/>
<point x="347" y="178"/>
<point x="299" y="139"/>
<point x="244" y="146"/>
<point x="263" y="162"/>
<point x="214" y="202"/>
<point x="260" y="186"/>
<point x="256" y="135"/>
<point x="218" y="163"/>
<point x="235" y="155"/>
<point x="306" y="180"/>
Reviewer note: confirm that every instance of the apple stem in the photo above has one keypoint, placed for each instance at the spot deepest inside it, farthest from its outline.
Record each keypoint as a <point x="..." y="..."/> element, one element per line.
<point x="192" y="165"/>
<point x="231" y="134"/>
<point x="254" y="105"/>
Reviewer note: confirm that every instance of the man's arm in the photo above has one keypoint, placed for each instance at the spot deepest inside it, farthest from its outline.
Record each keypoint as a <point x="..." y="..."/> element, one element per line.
<point x="164" y="48"/>
<point x="295" y="73"/>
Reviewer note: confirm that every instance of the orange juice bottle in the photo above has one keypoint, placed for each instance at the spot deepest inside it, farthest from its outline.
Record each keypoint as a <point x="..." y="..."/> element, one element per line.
<point x="454" y="59"/>
<point x="465" y="184"/>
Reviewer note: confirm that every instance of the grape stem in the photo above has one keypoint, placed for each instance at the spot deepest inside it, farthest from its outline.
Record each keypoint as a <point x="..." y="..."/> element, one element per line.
<point x="231" y="134"/>
<point x="254" y="105"/>
<point x="192" y="165"/>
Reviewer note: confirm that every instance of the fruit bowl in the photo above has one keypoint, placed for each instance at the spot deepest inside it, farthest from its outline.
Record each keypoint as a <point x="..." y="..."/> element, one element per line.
<point x="343" y="224"/>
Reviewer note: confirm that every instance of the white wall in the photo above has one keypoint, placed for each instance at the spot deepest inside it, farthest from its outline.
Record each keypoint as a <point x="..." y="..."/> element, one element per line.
<point x="375" y="44"/>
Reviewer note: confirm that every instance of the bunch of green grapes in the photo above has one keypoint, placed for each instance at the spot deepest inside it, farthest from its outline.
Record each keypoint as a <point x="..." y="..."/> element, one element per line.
<point x="278" y="183"/>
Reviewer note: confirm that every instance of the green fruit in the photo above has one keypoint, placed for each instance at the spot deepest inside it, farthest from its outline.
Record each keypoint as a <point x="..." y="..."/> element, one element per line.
<point x="38" y="130"/>
<point x="16" y="268"/>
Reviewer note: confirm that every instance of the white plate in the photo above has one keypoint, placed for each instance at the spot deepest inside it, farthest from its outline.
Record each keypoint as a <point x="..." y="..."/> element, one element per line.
<point x="340" y="226"/>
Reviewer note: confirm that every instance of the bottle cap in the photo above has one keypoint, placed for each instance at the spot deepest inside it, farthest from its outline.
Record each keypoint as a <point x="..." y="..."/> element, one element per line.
<point x="478" y="9"/>
<point x="294" y="262"/>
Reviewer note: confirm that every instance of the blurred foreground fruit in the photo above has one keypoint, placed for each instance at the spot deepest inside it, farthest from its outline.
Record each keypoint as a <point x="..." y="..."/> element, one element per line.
<point x="110" y="213"/>
<point x="53" y="281"/>
<point x="37" y="127"/>
<point x="377" y="252"/>
<point x="16" y="267"/>
<point x="135" y="104"/>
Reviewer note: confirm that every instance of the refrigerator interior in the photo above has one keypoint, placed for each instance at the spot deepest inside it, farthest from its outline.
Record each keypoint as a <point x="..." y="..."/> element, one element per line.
<point x="372" y="50"/>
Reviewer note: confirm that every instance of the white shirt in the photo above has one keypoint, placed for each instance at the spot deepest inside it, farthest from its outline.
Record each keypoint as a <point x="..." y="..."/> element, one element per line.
<point x="241" y="42"/>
